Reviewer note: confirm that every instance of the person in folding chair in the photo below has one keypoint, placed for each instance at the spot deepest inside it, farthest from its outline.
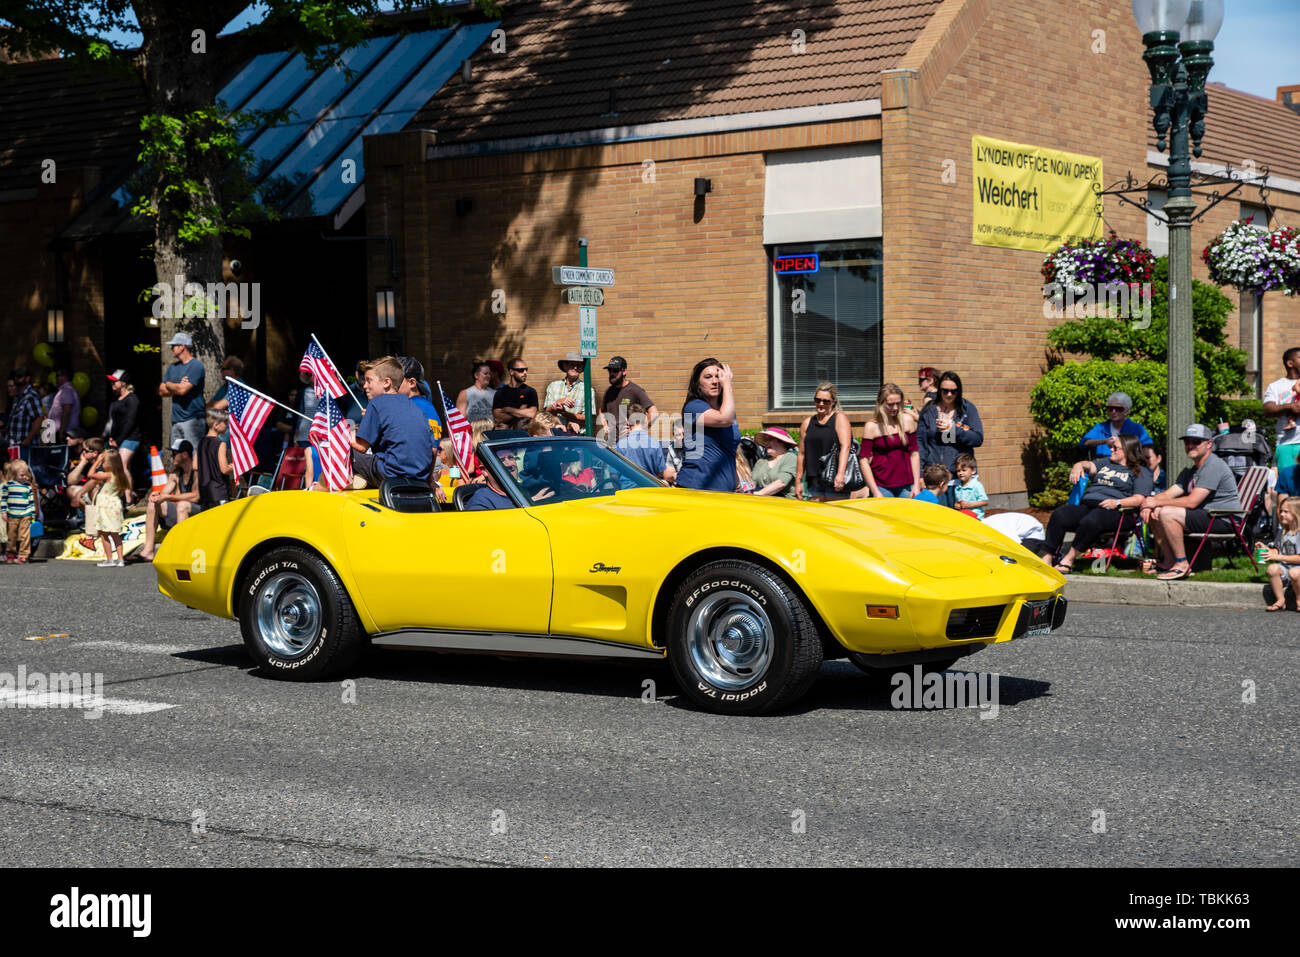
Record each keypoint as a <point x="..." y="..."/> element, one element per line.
<point x="1119" y="480"/>
<point x="1185" y="507"/>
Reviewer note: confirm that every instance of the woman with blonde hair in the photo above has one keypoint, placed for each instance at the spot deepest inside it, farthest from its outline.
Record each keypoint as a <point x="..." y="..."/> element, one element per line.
<point x="818" y="434"/>
<point x="891" y="460"/>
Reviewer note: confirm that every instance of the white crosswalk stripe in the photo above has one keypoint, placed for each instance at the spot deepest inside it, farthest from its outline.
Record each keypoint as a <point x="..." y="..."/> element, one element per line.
<point x="88" y="703"/>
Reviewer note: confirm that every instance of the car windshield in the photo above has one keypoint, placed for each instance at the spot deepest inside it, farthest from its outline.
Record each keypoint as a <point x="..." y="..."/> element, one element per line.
<point x="561" y="470"/>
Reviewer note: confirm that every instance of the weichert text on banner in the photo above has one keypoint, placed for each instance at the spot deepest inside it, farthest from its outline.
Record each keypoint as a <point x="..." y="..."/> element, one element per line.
<point x="1028" y="197"/>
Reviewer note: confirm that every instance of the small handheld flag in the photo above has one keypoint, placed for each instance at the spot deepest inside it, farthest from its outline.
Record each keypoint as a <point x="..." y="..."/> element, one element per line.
<point x="325" y="377"/>
<point x="333" y="443"/>
<point x="248" y="411"/>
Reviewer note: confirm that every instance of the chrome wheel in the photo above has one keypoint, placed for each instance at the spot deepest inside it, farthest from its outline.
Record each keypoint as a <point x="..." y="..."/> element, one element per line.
<point x="288" y="613"/>
<point x="729" y="637"/>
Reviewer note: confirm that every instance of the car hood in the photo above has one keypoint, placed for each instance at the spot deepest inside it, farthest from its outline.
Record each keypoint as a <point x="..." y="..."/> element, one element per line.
<point x="914" y="538"/>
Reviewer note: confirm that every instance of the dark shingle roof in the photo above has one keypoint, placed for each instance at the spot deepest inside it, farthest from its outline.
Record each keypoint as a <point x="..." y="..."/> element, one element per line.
<point x="1241" y="126"/>
<point x="56" y="109"/>
<point x="669" y="60"/>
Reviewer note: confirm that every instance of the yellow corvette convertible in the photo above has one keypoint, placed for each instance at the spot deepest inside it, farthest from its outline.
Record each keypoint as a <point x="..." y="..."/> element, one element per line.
<point x="571" y="550"/>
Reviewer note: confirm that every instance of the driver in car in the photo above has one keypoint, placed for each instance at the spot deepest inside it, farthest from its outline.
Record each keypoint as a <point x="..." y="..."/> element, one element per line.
<point x="487" y="495"/>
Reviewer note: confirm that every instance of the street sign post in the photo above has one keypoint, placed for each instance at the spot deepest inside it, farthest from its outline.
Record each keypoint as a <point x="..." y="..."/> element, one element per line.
<point x="587" y="332"/>
<point x="585" y="296"/>
<point x="581" y="276"/>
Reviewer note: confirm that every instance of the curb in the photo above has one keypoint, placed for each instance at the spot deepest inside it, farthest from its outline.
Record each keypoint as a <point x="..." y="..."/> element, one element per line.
<point x="1183" y="593"/>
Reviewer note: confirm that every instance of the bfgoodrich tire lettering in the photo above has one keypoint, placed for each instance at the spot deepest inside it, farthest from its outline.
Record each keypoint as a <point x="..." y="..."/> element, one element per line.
<point x="740" y="640"/>
<point x="297" y="619"/>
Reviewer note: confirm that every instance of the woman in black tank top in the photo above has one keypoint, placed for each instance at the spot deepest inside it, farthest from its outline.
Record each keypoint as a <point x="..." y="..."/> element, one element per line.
<point x="818" y="434"/>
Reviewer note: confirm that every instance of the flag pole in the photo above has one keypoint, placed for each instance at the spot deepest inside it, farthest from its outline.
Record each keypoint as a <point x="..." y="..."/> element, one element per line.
<point x="441" y="408"/>
<point x="245" y="385"/>
<point x="355" y="398"/>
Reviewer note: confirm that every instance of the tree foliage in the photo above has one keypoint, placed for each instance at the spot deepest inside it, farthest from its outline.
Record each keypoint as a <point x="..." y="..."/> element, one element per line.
<point x="1071" y="396"/>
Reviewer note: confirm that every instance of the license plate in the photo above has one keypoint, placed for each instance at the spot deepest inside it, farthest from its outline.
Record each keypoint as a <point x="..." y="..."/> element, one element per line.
<point x="1040" y="617"/>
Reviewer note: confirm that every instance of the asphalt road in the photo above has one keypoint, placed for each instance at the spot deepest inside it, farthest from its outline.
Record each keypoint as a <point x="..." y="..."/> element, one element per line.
<point x="1128" y="717"/>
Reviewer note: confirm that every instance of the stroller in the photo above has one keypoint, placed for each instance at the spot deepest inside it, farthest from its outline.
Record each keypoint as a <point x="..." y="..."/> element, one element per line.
<point x="49" y="465"/>
<point x="1241" y="448"/>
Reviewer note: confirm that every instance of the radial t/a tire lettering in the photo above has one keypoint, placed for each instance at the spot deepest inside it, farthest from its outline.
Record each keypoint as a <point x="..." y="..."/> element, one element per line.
<point x="741" y="640"/>
<point x="297" y="619"/>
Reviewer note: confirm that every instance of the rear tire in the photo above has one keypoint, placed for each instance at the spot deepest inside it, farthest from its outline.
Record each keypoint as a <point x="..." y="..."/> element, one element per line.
<point x="740" y="640"/>
<point x="297" y="619"/>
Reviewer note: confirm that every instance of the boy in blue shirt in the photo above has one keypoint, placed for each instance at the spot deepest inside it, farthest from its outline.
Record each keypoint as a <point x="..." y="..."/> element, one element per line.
<point x="936" y="479"/>
<point x="393" y="440"/>
<point x="969" y="492"/>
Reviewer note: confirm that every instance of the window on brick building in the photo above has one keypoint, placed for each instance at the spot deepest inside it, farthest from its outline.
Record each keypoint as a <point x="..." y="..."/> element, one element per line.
<point x="826" y="315"/>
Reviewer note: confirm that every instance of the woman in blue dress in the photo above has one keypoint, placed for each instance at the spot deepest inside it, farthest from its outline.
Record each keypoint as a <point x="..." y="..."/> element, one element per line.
<point x="712" y="433"/>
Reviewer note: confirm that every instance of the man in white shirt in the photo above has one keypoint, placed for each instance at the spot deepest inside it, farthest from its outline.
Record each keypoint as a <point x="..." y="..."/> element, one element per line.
<point x="1016" y="526"/>
<point x="1281" y="400"/>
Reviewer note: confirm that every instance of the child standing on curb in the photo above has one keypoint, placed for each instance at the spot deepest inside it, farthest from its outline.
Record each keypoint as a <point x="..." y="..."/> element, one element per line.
<point x="18" y="508"/>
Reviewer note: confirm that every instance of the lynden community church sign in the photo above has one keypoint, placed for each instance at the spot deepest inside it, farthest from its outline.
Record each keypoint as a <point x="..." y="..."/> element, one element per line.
<point x="1027" y="197"/>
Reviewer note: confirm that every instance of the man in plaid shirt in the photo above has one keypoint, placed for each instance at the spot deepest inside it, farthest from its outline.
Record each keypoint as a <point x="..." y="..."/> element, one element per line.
<point x="26" y="414"/>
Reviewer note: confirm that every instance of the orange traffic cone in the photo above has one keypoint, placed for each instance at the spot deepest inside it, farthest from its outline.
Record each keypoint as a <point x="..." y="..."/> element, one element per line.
<point x="157" y="477"/>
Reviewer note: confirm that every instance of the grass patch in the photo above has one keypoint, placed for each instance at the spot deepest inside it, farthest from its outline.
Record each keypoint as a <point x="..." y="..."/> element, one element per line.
<point x="1222" y="570"/>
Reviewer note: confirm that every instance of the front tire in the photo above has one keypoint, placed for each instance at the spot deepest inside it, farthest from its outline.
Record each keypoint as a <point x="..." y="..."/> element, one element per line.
<point x="740" y="640"/>
<point x="297" y="619"/>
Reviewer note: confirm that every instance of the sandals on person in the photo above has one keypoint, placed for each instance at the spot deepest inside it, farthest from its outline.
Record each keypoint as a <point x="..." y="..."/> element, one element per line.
<point x="1174" y="573"/>
<point x="1064" y="569"/>
<point x="1277" y="606"/>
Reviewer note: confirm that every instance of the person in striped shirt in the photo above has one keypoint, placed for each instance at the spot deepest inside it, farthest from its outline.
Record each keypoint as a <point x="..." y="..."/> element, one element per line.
<point x="18" y="509"/>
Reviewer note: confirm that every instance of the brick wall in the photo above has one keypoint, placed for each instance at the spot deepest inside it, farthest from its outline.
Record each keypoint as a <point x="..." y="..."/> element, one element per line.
<point x="693" y="285"/>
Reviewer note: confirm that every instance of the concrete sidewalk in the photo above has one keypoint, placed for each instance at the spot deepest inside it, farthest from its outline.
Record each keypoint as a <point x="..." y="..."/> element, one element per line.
<point x="1184" y="593"/>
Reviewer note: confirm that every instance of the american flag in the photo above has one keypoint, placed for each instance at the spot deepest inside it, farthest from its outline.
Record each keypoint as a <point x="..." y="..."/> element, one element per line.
<point x="332" y="441"/>
<point x="325" y="377"/>
<point x="462" y="434"/>
<point x="248" y="412"/>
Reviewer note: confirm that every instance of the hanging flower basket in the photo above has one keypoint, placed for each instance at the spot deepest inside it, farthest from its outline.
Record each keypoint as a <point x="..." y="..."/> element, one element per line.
<point x="1252" y="259"/>
<point x="1098" y="263"/>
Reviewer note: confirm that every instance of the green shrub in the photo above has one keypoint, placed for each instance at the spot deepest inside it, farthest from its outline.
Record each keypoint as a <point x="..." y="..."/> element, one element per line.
<point x="1071" y="398"/>
<point x="1057" y="490"/>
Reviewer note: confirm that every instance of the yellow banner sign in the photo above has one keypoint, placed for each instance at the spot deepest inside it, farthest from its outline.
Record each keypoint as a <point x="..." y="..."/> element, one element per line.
<point x="1027" y="197"/>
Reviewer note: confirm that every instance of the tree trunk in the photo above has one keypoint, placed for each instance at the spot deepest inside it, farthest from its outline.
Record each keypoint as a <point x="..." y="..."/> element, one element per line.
<point x="178" y="81"/>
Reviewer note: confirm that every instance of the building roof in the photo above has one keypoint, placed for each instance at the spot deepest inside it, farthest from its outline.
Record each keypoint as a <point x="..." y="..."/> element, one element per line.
<point x="1240" y="126"/>
<point x="669" y="60"/>
<point x="76" y="115"/>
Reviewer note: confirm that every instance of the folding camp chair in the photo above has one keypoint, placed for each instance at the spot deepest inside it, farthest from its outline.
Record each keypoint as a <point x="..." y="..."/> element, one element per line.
<point x="1138" y="529"/>
<point x="1250" y="491"/>
<point x="290" y="473"/>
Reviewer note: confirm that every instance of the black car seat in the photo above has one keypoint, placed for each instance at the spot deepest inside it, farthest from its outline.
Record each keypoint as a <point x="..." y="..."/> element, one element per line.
<point x="404" y="495"/>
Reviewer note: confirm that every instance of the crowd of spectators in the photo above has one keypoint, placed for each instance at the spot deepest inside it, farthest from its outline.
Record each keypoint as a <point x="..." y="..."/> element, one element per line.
<point x="925" y="451"/>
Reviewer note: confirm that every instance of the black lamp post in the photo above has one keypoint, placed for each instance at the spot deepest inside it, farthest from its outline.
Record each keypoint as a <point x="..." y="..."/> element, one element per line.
<point x="1178" y="73"/>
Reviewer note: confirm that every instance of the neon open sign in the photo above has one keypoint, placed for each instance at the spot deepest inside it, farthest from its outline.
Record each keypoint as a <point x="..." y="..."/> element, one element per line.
<point x="790" y="265"/>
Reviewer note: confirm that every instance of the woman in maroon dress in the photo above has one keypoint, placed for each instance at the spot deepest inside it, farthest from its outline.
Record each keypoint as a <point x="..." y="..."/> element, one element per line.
<point x="891" y="463"/>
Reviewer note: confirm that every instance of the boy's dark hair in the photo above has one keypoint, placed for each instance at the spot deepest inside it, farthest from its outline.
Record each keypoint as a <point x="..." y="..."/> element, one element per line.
<point x="935" y="475"/>
<point x="966" y="460"/>
<point x="633" y="409"/>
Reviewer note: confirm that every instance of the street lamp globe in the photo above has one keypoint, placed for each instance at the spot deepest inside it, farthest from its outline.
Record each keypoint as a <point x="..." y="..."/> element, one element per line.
<point x="1204" y="19"/>
<point x="1163" y="16"/>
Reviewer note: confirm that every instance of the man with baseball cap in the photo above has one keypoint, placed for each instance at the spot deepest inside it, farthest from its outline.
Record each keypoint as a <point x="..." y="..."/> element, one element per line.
<point x="1185" y="506"/>
<point x="564" y="398"/>
<point x="183" y="384"/>
<point x="621" y="393"/>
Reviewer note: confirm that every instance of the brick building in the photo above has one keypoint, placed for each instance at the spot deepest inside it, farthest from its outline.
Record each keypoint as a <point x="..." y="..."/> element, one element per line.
<point x="821" y="127"/>
<point x="837" y="128"/>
